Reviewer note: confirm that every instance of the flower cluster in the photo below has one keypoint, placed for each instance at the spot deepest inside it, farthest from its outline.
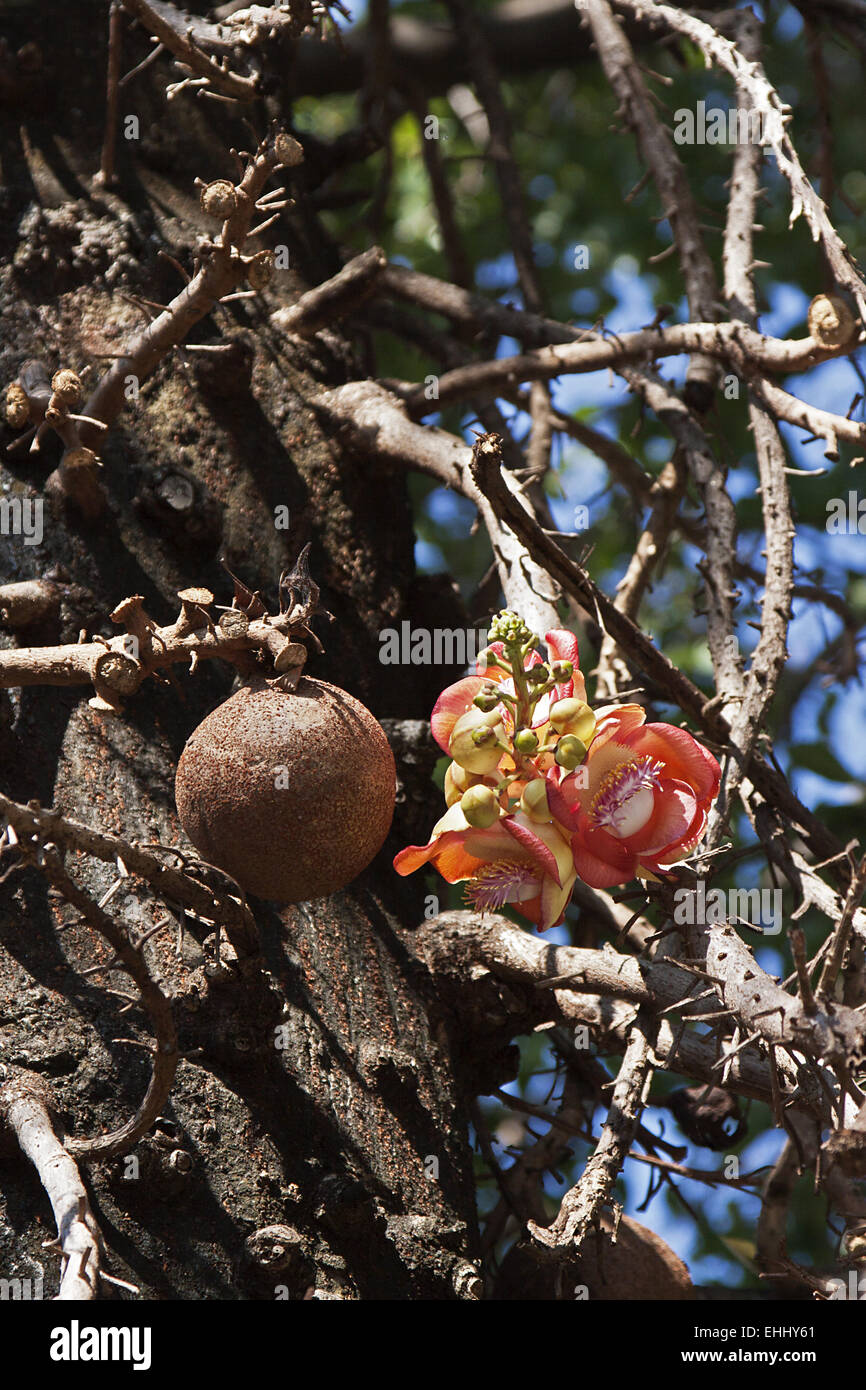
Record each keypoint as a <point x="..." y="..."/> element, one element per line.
<point x="542" y="789"/>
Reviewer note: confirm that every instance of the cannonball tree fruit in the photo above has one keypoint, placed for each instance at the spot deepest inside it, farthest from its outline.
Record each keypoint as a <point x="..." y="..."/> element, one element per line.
<point x="292" y="793"/>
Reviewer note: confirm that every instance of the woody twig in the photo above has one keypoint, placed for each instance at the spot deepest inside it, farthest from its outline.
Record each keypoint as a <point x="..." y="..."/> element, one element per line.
<point x="206" y="892"/>
<point x="129" y="957"/>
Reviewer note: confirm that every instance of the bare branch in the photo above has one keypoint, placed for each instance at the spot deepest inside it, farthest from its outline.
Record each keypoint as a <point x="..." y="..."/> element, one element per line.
<point x="669" y="176"/>
<point x="176" y="32"/>
<point x="750" y="77"/>
<point x="334" y="298"/>
<point x="582" y="1206"/>
<point x="842" y="934"/>
<point x="720" y="340"/>
<point x="663" y="498"/>
<point x="768" y="658"/>
<point x="25" y="1102"/>
<point x="35" y="827"/>
<point x="118" y="667"/>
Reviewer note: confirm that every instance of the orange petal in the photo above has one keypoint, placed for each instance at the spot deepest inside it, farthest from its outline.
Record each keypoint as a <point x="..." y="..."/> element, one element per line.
<point x="447" y="854"/>
<point x="616" y="721"/>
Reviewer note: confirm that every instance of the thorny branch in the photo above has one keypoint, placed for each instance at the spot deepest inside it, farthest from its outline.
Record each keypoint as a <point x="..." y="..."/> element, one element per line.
<point x="751" y="79"/>
<point x="221" y="265"/>
<point x="194" y="887"/>
<point x="594" y="352"/>
<point x="118" y="666"/>
<point x="582" y="1206"/>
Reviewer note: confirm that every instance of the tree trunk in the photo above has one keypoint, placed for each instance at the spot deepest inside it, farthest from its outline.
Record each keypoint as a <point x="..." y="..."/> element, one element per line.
<point x="316" y="1098"/>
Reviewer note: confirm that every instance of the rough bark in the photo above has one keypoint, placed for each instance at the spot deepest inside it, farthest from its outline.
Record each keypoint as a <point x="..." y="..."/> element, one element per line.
<point x="313" y="1139"/>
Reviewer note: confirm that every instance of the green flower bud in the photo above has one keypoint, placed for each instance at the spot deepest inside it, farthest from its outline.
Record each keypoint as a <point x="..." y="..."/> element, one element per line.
<point x="486" y="700"/>
<point x="570" y="752"/>
<point x="510" y="629"/>
<point x="563" y="670"/>
<point x="480" y="807"/>
<point x="534" y="801"/>
<point x="573" y="717"/>
<point x="526" y="741"/>
<point x="538" y="675"/>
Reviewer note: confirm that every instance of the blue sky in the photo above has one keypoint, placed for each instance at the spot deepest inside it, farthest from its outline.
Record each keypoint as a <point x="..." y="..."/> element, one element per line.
<point x="831" y="386"/>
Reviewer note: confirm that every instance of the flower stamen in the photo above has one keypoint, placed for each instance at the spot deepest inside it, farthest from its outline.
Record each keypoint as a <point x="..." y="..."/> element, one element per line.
<point x="504" y="881"/>
<point x="618" y="799"/>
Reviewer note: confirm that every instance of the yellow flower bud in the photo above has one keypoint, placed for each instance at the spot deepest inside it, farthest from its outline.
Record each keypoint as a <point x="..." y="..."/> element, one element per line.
<point x="464" y="748"/>
<point x="458" y="781"/>
<point x="533" y="802"/>
<point x="570" y="752"/>
<point x="480" y="807"/>
<point x="573" y="717"/>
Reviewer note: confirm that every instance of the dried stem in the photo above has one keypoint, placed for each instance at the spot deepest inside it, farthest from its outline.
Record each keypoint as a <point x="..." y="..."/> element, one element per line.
<point x="582" y="1206"/>
<point x="334" y="298"/>
<point x="106" y="176"/>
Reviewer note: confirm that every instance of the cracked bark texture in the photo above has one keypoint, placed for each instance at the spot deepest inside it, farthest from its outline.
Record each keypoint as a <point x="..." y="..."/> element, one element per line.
<point x="315" y="1095"/>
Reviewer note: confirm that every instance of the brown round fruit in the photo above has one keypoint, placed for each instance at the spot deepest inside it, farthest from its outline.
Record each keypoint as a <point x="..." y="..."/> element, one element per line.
<point x="292" y="793"/>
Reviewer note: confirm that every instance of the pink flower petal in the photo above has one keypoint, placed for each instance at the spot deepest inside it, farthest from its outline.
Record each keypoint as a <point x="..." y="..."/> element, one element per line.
<point x="672" y="819"/>
<point x="685" y="759"/>
<point x="562" y="646"/>
<point x="454" y="701"/>
<point x="562" y="810"/>
<point x="602" y="861"/>
<point x="673" y="853"/>
<point x="535" y="847"/>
